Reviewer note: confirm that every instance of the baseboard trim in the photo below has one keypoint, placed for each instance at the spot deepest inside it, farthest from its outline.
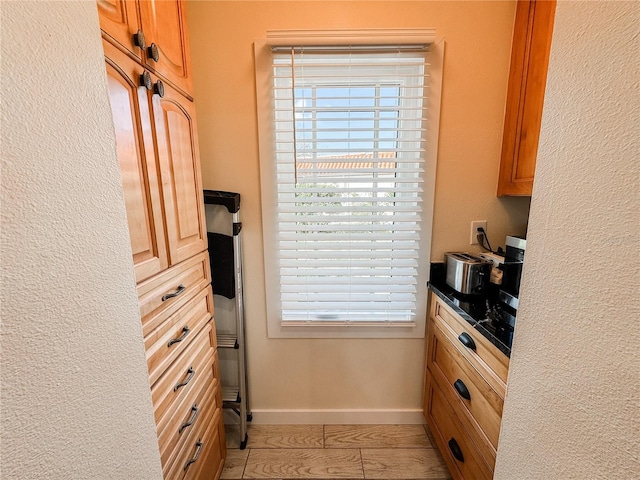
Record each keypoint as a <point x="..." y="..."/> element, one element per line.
<point x="337" y="417"/>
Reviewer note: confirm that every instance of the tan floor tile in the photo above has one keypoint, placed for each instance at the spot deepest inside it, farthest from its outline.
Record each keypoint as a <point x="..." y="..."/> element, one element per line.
<point x="304" y="463"/>
<point x="430" y="436"/>
<point x="410" y="463"/>
<point x="285" y="436"/>
<point x="234" y="464"/>
<point x="375" y="436"/>
<point x="232" y="433"/>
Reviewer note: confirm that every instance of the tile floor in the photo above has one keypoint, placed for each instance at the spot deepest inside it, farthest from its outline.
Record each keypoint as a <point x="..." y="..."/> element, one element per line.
<point x="380" y="452"/>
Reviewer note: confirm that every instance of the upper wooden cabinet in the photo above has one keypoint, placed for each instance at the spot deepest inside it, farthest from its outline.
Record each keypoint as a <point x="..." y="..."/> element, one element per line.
<point x="178" y="158"/>
<point x="120" y="23"/>
<point x="130" y="107"/>
<point x="164" y="23"/>
<point x="532" y="34"/>
<point x="154" y="32"/>
<point x="158" y="154"/>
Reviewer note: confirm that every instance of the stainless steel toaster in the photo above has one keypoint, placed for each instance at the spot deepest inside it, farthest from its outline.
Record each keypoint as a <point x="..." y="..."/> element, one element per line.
<point x="466" y="273"/>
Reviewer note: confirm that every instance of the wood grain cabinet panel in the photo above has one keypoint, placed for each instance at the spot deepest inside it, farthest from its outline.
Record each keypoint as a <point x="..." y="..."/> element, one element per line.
<point x="161" y="296"/>
<point x="174" y="336"/>
<point x="209" y="464"/>
<point x="178" y="156"/>
<point x="165" y="26"/>
<point x="120" y="21"/>
<point x="193" y="414"/>
<point x="486" y="358"/>
<point x="459" y="452"/>
<point x="482" y="410"/>
<point x="136" y="155"/>
<point x="189" y="372"/>
<point x="464" y="393"/>
<point x="533" y="30"/>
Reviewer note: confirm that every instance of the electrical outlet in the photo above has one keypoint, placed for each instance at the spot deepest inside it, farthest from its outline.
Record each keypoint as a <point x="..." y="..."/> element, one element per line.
<point x="474" y="230"/>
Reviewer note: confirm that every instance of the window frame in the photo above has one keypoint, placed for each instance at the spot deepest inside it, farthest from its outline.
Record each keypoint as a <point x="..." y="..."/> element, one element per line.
<point x="265" y="108"/>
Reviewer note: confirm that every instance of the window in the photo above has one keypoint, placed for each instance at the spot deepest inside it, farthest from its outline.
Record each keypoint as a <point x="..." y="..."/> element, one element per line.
<point x="347" y="190"/>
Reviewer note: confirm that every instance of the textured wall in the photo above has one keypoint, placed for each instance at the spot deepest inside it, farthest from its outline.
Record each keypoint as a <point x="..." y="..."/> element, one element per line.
<point x="573" y="405"/>
<point x="353" y="374"/>
<point x="75" y="394"/>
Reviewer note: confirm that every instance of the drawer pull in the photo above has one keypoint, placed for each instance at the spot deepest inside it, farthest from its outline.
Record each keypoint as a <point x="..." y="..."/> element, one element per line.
<point x="189" y="422"/>
<point x="462" y="389"/>
<point x="181" y="288"/>
<point x="199" y="446"/>
<point x="191" y="373"/>
<point x="455" y="450"/>
<point x="185" y="332"/>
<point x="467" y="341"/>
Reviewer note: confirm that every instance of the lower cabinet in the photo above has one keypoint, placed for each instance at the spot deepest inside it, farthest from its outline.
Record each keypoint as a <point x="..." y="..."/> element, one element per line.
<point x="182" y="358"/>
<point x="464" y="393"/>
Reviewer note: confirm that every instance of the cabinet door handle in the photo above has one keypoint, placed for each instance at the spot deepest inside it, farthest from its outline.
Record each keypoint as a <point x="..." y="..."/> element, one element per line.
<point x="139" y="40"/>
<point x="462" y="389"/>
<point x="455" y="450"/>
<point x="159" y="88"/>
<point x="189" y="422"/>
<point x="145" y="80"/>
<point x="153" y="53"/>
<point x="181" y="288"/>
<point x="467" y="341"/>
<point x="191" y="372"/>
<point x="199" y="446"/>
<point x="185" y="332"/>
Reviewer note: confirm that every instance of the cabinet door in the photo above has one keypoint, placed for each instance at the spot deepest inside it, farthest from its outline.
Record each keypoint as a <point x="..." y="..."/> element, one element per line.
<point x="136" y="155"/>
<point x="165" y="25"/>
<point x="525" y="96"/>
<point x="179" y="162"/>
<point x="119" y="21"/>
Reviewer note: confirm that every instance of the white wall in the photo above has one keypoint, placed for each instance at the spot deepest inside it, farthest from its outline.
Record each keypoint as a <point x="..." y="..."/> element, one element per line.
<point x="75" y="393"/>
<point x="572" y="409"/>
<point x="286" y="375"/>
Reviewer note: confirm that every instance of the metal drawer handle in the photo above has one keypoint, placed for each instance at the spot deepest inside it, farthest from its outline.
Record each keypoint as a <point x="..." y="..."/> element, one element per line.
<point x="467" y="341"/>
<point x="181" y="288"/>
<point x="199" y="446"/>
<point x="462" y="389"/>
<point x="189" y="422"/>
<point x="191" y="373"/>
<point x="185" y="332"/>
<point x="455" y="450"/>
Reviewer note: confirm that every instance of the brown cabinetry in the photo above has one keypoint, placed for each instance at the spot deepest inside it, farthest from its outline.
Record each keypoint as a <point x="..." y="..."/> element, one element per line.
<point x="155" y="33"/>
<point x="120" y="24"/>
<point x="157" y="149"/>
<point x="464" y="393"/>
<point x="532" y="34"/>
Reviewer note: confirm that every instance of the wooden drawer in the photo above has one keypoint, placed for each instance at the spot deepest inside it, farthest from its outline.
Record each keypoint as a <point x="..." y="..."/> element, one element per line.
<point x="189" y="416"/>
<point x="447" y="429"/>
<point x="172" y="337"/>
<point x="482" y="410"/>
<point x="190" y="370"/>
<point x="490" y="362"/>
<point x="214" y="451"/>
<point x="202" y="440"/>
<point x="161" y="296"/>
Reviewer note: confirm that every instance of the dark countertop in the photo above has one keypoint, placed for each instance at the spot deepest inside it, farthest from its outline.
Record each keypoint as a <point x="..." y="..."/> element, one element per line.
<point x="482" y="313"/>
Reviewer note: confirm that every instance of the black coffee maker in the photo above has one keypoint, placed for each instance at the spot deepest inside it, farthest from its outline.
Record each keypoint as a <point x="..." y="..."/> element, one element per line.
<point x="512" y="271"/>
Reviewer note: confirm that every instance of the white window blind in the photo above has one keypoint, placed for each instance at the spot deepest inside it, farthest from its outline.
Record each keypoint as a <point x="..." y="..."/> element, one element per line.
<point x="349" y="140"/>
